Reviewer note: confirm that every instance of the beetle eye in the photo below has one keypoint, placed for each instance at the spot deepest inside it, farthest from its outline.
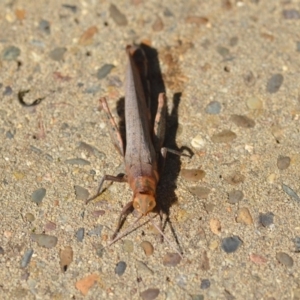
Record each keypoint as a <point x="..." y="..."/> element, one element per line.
<point x="137" y="206"/>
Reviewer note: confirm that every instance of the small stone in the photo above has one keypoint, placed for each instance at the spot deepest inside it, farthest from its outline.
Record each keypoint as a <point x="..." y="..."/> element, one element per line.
<point x="80" y="234"/>
<point x="213" y="245"/>
<point x="119" y="18"/>
<point x="283" y="162"/>
<point x="196" y="20"/>
<point x="235" y="178"/>
<point x="77" y="161"/>
<point x="249" y="78"/>
<point x="158" y="24"/>
<point x="8" y="91"/>
<point x="10" y="53"/>
<point x="257" y="259"/>
<point x="215" y="226"/>
<point x="96" y="231"/>
<point x="120" y="268"/>
<point x="200" y="191"/>
<point x="204" y="261"/>
<point x="65" y="258"/>
<point x="87" y="37"/>
<point x="150" y="294"/>
<point x="213" y="108"/>
<point x="81" y="193"/>
<point x="100" y="250"/>
<point x="291" y="14"/>
<point x="38" y="195"/>
<point x="26" y="258"/>
<point x="266" y="219"/>
<point x="235" y="196"/>
<point x="225" y="136"/>
<point x="72" y="8"/>
<point x="244" y="216"/>
<point x="147" y="247"/>
<point x="223" y="51"/>
<point x="233" y="41"/>
<point x="290" y="192"/>
<point x="285" y="259"/>
<point x="181" y="280"/>
<point x="171" y="259"/>
<point x="128" y="246"/>
<point x="297" y="244"/>
<point x="231" y="244"/>
<point x="242" y="121"/>
<point x="44" y="26"/>
<point x="9" y="135"/>
<point x="197" y="297"/>
<point x="192" y="174"/>
<point x="209" y="207"/>
<point x="57" y="54"/>
<point x="254" y="104"/>
<point x="50" y="226"/>
<point x="274" y="83"/>
<point x="104" y="71"/>
<point x="198" y="142"/>
<point x="29" y="217"/>
<point x="44" y="240"/>
<point x="1" y="251"/>
<point x="205" y="284"/>
<point x="84" y="284"/>
<point x="98" y="213"/>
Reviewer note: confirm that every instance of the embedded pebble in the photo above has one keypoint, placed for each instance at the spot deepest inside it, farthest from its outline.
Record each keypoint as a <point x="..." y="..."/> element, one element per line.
<point x="98" y="213"/>
<point x="38" y="195"/>
<point x="8" y="91"/>
<point x="120" y="268"/>
<point x="200" y="191"/>
<point x="85" y="284"/>
<point x="158" y="24"/>
<point x="50" y="226"/>
<point x="96" y="231"/>
<point x="171" y="259"/>
<point x="57" y="54"/>
<point x="29" y="217"/>
<point x="249" y="78"/>
<point x="235" y="196"/>
<point x="192" y="174"/>
<point x="205" y="284"/>
<point x="147" y="247"/>
<point x="119" y="18"/>
<point x="44" y="240"/>
<point x="291" y="14"/>
<point x="266" y="219"/>
<point x="44" y="26"/>
<point x="77" y="161"/>
<point x="274" y="83"/>
<point x="196" y="20"/>
<point x="225" y="136"/>
<point x="99" y="250"/>
<point x="150" y="294"/>
<point x="254" y="104"/>
<point x="209" y="207"/>
<point x="223" y="51"/>
<point x="198" y="142"/>
<point x="26" y="258"/>
<point x="231" y="244"/>
<point x="143" y="267"/>
<point x="128" y="246"/>
<point x="35" y="149"/>
<point x="87" y="37"/>
<point x="257" y="259"/>
<point x="10" y="53"/>
<point x="1" y="251"/>
<point x="242" y="121"/>
<point x="213" y="108"/>
<point x="235" y="178"/>
<point x="9" y="135"/>
<point x="81" y="193"/>
<point x="181" y="280"/>
<point x="244" y="216"/>
<point x="204" y="261"/>
<point x="297" y="244"/>
<point x="104" y="71"/>
<point x="197" y="297"/>
<point x="285" y="259"/>
<point x="65" y="258"/>
<point x="215" y="226"/>
<point x="290" y="192"/>
<point x="80" y="234"/>
<point x="283" y="162"/>
<point x="92" y="89"/>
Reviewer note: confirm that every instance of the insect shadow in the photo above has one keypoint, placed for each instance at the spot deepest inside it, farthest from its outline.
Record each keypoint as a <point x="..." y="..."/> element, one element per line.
<point x="153" y="85"/>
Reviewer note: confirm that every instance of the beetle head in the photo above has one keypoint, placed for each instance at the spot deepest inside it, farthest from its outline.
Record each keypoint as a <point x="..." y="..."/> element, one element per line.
<point x="144" y="203"/>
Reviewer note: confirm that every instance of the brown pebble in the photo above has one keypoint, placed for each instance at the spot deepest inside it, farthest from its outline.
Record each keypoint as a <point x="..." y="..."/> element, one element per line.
<point x="215" y="226"/>
<point x="119" y="18"/>
<point x="283" y="162"/>
<point x="242" y="121"/>
<point x="196" y="20"/>
<point x="50" y="226"/>
<point x="204" y="261"/>
<point x="150" y="294"/>
<point x="147" y="247"/>
<point x="235" y="178"/>
<point x="200" y="191"/>
<point x="285" y="259"/>
<point x="29" y="217"/>
<point x="65" y="258"/>
<point x="244" y="216"/>
<point x="158" y="24"/>
<point x="257" y="259"/>
<point x="235" y="196"/>
<point x="192" y="174"/>
<point x="87" y="37"/>
<point x="98" y="213"/>
<point x="171" y="259"/>
<point x="225" y="136"/>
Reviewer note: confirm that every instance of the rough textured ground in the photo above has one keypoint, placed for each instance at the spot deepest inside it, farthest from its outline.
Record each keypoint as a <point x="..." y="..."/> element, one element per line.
<point x="233" y="67"/>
